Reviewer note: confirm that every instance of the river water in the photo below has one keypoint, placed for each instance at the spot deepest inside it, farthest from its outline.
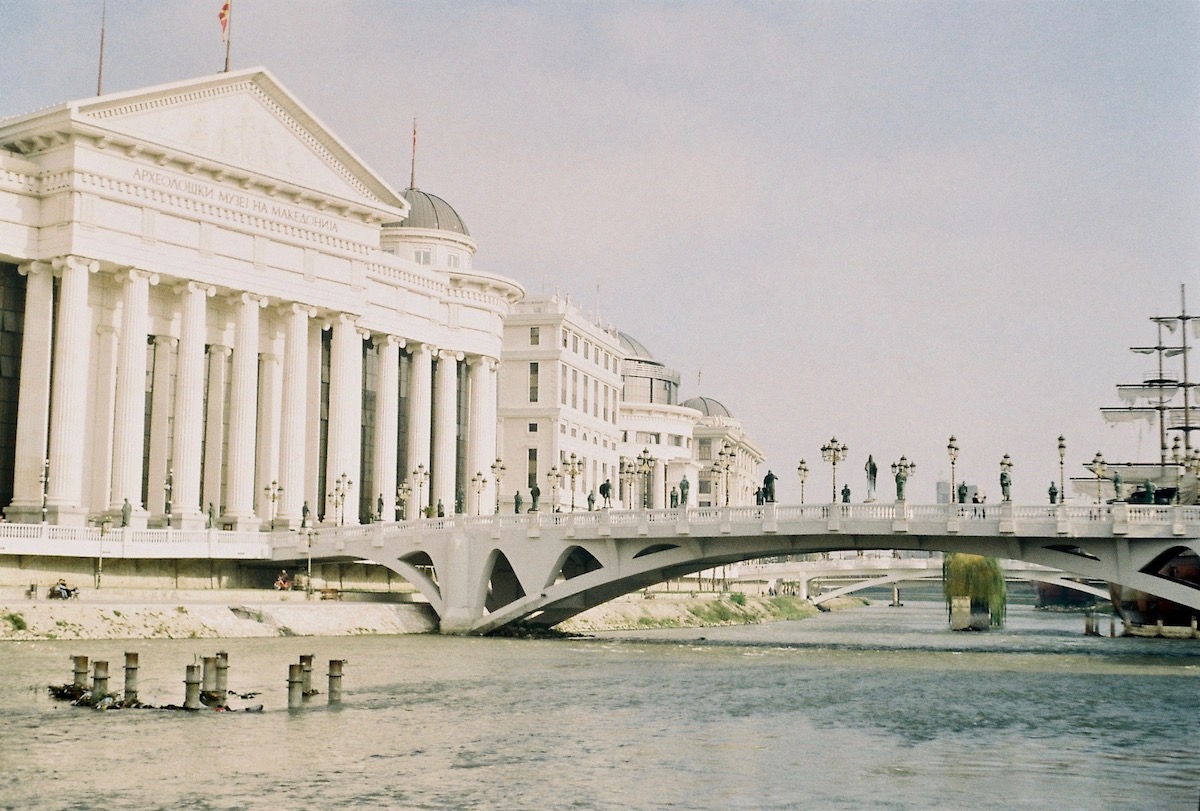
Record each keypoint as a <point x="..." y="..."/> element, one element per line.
<point x="879" y="708"/>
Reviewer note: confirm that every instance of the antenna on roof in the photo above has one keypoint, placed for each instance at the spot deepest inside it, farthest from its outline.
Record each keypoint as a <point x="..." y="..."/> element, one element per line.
<point x="100" y="72"/>
<point x="412" y="169"/>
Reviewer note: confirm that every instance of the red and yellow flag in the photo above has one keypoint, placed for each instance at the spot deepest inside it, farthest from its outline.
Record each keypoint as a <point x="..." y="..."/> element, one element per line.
<point x="223" y="16"/>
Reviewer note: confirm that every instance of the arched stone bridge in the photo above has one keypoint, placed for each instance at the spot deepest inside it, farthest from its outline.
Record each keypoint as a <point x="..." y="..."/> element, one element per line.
<point x="481" y="573"/>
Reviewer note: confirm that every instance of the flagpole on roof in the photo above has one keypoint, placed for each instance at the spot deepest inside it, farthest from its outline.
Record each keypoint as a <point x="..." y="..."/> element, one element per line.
<point x="226" y="18"/>
<point x="412" y="168"/>
<point x="100" y="72"/>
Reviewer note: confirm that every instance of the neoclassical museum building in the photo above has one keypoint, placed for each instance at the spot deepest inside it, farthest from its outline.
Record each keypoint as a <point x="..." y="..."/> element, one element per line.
<point x="212" y="311"/>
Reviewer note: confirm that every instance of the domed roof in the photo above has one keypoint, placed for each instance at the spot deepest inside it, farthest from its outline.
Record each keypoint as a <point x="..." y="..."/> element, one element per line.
<point x="708" y="407"/>
<point x="430" y="211"/>
<point x="634" y="350"/>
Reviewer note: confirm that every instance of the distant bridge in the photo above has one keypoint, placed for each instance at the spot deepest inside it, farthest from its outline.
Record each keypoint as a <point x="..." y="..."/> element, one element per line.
<point x="876" y="569"/>
<point x="481" y="573"/>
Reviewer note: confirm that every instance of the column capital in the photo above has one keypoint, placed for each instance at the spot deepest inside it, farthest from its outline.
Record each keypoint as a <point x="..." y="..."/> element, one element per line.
<point x="217" y="349"/>
<point x="450" y="354"/>
<point x="34" y="268"/>
<point x="196" y="287"/>
<point x="250" y="298"/>
<point x="296" y="308"/>
<point x="390" y="340"/>
<point x="77" y="262"/>
<point x="132" y="273"/>
<point x="345" y="319"/>
<point x="169" y="340"/>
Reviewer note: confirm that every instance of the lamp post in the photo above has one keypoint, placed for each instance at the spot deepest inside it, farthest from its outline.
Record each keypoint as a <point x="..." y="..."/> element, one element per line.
<point x="168" y="485"/>
<point x="555" y="478"/>
<point x="402" y="491"/>
<point x="479" y="480"/>
<point x="572" y="470"/>
<point x="627" y="474"/>
<point x="1178" y="457"/>
<point x="902" y="470"/>
<point x="420" y="476"/>
<point x="45" y="480"/>
<point x="497" y="472"/>
<point x="834" y="452"/>
<point x="272" y="490"/>
<point x="952" y="452"/>
<point x="724" y="468"/>
<point x="802" y="472"/>
<point x="341" y="489"/>
<point x="1098" y="467"/>
<point x="105" y="526"/>
<point x="1062" y="462"/>
<point x="308" y="539"/>
<point x="646" y="468"/>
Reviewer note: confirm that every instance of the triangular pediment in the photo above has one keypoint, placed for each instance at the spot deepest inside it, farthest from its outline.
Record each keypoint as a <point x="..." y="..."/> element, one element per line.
<point x="245" y="121"/>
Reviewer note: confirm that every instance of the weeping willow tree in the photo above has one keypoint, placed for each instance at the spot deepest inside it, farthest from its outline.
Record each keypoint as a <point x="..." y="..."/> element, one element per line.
<point x="978" y="578"/>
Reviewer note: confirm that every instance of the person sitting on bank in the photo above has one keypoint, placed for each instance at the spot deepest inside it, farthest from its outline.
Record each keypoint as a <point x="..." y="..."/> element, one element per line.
<point x="283" y="582"/>
<point x="64" y="591"/>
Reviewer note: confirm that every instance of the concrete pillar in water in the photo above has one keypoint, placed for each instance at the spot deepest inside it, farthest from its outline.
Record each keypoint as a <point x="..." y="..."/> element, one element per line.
<point x="131" y="678"/>
<point x="895" y="595"/>
<point x="99" y="680"/>
<point x="1195" y="633"/>
<point x="960" y="613"/>
<point x="81" y="670"/>
<point x="222" y="678"/>
<point x="191" y="681"/>
<point x="295" y="686"/>
<point x="335" y="680"/>
<point x="306" y="666"/>
<point x="209" y="684"/>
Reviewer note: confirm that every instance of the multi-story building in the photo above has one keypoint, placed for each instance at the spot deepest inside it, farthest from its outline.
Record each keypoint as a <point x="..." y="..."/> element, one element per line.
<point x="214" y="311"/>
<point x="560" y="390"/>
<point x="656" y="432"/>
<point x="729" y="459"/>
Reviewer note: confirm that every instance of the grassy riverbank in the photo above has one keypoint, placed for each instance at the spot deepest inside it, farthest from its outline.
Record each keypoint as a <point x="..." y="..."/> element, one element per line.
<point x="695" y="610"/>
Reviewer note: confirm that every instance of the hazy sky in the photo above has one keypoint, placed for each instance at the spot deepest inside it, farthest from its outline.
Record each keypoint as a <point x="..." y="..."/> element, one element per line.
<point x="887" y="222"/>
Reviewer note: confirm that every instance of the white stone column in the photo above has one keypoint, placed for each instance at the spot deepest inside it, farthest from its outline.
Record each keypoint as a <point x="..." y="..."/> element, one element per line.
<point x="344" y="456"/>
<point x="189" y="407"/>
<point x="294" y="415"/>
<point x="481" y="440"/>
<point x="100" y="417"/>
<point x="214" y="431"/>
<point x="445" y="431"/>
<point x="33" y="406"/>
<point x="129" y="424"/>
<point x="270" y="383"/>
<point x="159" y="462"/>
<point x="243" y="414"/>
<point x="658" y="497"/>
<point x="387" y="421"/>
<point x="420" y="415"/>
<point x="68" y="395"/>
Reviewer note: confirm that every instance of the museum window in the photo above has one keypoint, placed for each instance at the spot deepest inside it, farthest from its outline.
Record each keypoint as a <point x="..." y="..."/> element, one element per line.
<point x="533" y="382"/>
<point x="531" y="470"/>
<point x="452" y="260"/>
<point x="705" y="450"/>
<point x="535" y="336"/>
<point x="533" y="427"/>
<point x="423" y="256"/>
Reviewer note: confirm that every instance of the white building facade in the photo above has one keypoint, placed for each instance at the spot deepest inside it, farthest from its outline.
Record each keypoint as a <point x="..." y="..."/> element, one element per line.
<point x="560" y="392"/>
<point x="729" y="459"/>
<point x="213" y="311"/>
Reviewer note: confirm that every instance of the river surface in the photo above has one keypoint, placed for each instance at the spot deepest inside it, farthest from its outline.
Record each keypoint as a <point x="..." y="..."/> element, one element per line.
<point x="872" y="708"/>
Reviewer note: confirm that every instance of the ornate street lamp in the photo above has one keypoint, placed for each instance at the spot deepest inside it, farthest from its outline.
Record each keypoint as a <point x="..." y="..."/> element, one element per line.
<point x="479" y="480"/>
<point x="168" y="484"/>
<point x="1178" y="457"/>
<point x="419" y="477"/>
<point x="1098" y="467"/>
<point x="627" y="474"/>
<point x="555" y="478"/>
<point x="802" y="472"/>
<point x="902" y="470"/>
<point x="341" y="489"/>
<point x="834" y="452"/>
<point x="402" y="492"/>
<point x="273" y="490"/>
<point x="952" y="452"/>
<point x="572" y="470"/>
<point x="646" y="468"/>
<point x="497" y="472"/>
<point x="1062" y="462"/>
<point x="724" y="468"/>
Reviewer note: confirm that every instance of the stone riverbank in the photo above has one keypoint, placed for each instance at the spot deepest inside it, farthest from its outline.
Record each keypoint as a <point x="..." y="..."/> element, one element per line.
<point x="253" y="614"/>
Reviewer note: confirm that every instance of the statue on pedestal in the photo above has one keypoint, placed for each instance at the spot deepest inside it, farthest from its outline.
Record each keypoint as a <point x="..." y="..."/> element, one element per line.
<point x="683" y="490"/>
